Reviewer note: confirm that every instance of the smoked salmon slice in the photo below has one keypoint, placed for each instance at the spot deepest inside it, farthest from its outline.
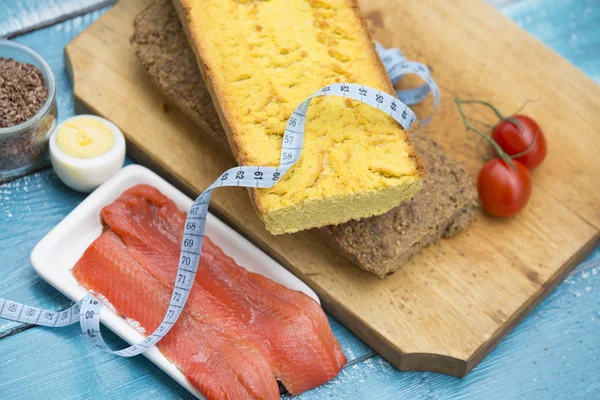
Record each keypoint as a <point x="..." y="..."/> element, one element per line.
<point x="212" y="362"/>
<point x="239" y="331"/>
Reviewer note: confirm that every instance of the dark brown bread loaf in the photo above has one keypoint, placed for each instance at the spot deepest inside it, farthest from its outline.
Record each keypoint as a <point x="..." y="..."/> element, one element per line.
<point x="444" y="206"/>
<point x="379" y="244"/>
<point x="161" y="45"/>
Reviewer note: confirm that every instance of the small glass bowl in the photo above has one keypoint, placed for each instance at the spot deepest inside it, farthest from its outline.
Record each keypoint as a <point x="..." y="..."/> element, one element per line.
<point x="24" y="147"/>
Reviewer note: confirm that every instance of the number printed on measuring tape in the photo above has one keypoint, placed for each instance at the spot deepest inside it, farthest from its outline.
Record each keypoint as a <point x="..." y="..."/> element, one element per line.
<point x="396" y="66"/>
<point x="87" y="310"/>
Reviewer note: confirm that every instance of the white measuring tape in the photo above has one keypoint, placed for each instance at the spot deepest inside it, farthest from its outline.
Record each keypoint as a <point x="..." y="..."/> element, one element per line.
<point x="396" y="66"/>
<point x="87" y="310"/>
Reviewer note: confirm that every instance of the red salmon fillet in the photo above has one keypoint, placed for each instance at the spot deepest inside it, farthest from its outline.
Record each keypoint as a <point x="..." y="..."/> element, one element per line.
<point x="277" y="328"/>
<point x="217" y="366"/>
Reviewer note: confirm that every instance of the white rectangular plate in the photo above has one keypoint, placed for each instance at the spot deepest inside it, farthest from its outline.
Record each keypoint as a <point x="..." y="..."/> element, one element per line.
<point x="56" y="254"/>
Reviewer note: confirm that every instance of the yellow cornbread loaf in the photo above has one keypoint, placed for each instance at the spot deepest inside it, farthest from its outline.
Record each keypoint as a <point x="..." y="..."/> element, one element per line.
<point x="260" y="59"/>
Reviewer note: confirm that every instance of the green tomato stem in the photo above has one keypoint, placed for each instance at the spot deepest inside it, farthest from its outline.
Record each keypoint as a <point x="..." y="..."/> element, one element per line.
<point x="491" y="141"/>
<point x="537" y="133"/>
<point x="484" y="103"/>
<point x="525" y="103"/>
<point x="482" y="155"/>
<point x="515" y="121"/>
<point x="490" y="127"/>
<point x="528" y="149"/>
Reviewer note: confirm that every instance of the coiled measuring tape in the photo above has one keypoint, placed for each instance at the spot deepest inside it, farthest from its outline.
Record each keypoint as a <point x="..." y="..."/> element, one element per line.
<point x="396" y="66"/>
<point x="87" y="310"/>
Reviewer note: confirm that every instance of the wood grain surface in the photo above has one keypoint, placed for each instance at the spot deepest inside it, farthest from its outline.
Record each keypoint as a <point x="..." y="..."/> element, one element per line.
<point x="54" y="203"/>
<point x="553" y="353"/>
<point x="445" y="310"/>
<point x="22" y="16"/>
<point x="534" y="362"/>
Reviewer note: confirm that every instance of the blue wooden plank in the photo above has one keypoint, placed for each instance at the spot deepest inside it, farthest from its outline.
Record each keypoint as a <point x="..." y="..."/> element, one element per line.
<point x="50" y="43"/>
<point x="566" y="323"/>
<point x="31" y="206"/>
<point x="554" y="353"/>
<point x="60" y="363"/>
<point x="40" y="200"/>
<point x="571" y="28"/>
<point x="502" y="3"/>
<point x="20" y="16"/>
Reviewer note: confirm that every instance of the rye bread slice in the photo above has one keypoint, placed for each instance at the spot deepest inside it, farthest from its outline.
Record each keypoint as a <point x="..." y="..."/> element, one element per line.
<point x="444" y="206"/>
<point x="161" y="45"/>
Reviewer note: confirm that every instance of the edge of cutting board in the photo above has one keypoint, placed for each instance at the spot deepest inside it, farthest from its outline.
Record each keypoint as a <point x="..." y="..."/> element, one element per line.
<point x="403" y="361"/>
<point x="400" y="359"/>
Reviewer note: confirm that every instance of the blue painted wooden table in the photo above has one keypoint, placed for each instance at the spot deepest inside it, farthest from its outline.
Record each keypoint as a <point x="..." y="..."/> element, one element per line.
<point x="553" y="353"/>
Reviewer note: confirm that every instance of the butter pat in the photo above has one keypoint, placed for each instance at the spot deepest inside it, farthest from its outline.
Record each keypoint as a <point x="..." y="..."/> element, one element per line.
<point x="86" y="151"/>
<point x="84" y="137"/>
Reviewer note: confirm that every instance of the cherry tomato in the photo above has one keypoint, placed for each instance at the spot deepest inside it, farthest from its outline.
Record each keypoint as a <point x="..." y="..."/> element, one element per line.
<point x="503" y="191"/>
<point x="514" y="140"/>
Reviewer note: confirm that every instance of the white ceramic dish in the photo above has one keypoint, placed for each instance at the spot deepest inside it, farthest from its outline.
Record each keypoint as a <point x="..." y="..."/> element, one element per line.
<point x="56" y="254"/>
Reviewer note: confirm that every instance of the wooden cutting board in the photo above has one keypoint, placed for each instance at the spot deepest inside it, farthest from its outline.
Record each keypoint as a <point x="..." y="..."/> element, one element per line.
<point x="446" y="309"/>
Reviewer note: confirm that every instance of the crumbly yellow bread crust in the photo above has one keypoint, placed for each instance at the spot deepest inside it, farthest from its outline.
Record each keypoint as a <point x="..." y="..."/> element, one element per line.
<point x="260" y="59"/>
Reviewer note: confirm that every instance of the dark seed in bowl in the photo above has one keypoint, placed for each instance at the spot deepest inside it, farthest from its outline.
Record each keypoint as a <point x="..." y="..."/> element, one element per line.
<point x="23" y="92"/>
